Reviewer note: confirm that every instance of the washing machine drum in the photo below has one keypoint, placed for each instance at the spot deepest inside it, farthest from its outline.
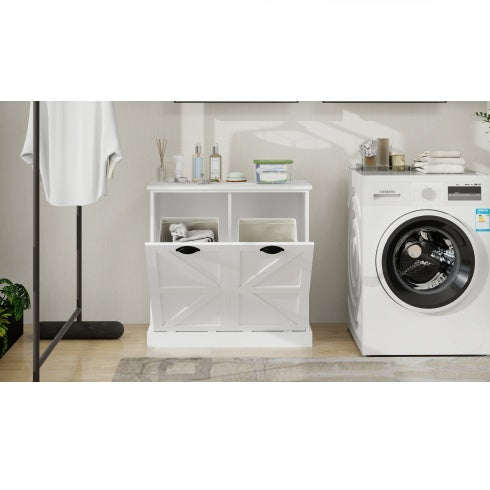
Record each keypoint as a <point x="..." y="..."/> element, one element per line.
<point x="426" y="261"/>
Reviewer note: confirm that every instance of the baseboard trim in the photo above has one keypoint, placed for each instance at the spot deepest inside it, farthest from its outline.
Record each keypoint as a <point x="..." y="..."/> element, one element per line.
<point x="279" y="340"/>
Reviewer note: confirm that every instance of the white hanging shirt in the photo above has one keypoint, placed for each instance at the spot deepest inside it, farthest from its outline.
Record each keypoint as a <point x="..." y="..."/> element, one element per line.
<point x="78" y="149"/>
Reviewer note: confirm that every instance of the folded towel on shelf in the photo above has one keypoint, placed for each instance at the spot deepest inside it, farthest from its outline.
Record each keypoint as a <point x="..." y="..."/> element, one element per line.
<point x="438" y="161"/>
<point x="441" y="169"/>
<point x="441" y="153"/>
<point x="180" y="233"/>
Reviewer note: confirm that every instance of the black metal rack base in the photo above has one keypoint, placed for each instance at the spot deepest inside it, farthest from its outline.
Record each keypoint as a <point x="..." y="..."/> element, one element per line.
<point x="74" y="327"/>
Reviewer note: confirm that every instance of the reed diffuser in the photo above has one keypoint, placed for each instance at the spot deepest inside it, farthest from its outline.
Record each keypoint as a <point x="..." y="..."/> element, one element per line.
<point x="162" y="148"/>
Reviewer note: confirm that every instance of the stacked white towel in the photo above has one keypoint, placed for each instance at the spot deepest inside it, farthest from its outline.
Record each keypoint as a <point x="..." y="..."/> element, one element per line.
<point x="180" y="233"/>
<point x="440" y="162"/>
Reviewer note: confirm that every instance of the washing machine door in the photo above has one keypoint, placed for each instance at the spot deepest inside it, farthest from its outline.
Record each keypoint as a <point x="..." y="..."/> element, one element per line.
<point x="426" y="260"/>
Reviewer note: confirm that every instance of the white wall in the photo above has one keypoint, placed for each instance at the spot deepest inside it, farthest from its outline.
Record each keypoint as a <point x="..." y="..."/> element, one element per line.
<point x="322" y="139"/>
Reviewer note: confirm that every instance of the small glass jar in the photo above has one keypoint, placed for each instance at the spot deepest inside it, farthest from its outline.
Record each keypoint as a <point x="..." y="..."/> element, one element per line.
<point x="369" y="163"/>
<point x="398" y="163"/>
<point x="166" y="173"/>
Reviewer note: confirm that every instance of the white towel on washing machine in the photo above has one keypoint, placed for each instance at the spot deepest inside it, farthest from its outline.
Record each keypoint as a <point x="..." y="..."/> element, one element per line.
<point x="441" y="169"/>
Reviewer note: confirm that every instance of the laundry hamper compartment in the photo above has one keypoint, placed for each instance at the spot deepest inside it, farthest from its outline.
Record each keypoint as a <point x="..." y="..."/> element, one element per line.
<point x="191" y="224"/>
<point x="267" y="230"/>
<point x="229" y="287"/>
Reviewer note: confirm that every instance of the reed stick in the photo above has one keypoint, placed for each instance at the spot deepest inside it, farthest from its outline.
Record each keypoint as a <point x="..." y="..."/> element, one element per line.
<point x="162" y="148"/>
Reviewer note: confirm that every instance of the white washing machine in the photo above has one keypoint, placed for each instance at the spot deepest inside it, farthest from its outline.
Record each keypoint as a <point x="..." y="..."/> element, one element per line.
<point x="418" y="263"/>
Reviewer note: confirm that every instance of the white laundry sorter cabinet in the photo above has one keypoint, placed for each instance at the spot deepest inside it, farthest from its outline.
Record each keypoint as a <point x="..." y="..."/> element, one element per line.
<point x="229" y="293"/>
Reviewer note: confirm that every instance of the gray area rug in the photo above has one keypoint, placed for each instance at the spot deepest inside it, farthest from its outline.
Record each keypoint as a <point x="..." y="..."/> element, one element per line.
<point x="471" y="368"/>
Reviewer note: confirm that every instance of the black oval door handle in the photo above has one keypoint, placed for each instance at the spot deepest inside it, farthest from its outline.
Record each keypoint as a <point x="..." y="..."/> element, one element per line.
<point x="187" y="250"/>
<point x="272" y="249"/>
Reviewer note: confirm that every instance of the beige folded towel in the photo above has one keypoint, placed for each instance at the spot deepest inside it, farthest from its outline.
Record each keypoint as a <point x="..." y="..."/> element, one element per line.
<point x="442" y="153"/>
<point x="441" y="169"/>
<point x="438" y="161"/>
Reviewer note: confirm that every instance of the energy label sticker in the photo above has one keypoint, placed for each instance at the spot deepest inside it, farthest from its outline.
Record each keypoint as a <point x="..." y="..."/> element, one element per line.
<point x="482" y="219"/>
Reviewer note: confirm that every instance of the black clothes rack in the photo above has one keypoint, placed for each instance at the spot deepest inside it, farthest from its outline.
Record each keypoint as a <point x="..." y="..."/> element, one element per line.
<point x="74" y="327"/>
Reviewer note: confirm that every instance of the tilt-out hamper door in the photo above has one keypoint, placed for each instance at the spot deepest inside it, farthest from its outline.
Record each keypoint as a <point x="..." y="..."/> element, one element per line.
<point x="270" y="285"/>
<point x="188" y="286"/>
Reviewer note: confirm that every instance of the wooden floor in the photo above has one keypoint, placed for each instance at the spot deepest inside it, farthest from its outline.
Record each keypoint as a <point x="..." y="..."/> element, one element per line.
<point x="96" y="360"/>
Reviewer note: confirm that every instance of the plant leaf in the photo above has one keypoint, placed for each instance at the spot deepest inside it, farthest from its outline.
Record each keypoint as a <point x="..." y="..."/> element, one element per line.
<point x="23" y="296"/>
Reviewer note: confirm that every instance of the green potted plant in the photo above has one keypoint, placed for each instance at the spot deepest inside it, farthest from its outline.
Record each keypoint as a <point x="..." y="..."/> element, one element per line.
<point x="485" y="117"/>
<point x="14" y="299"/>
<point x="4" y="324"/>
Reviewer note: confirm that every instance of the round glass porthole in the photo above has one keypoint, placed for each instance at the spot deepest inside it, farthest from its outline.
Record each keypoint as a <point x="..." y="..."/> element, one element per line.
<point x="428" y="262"/>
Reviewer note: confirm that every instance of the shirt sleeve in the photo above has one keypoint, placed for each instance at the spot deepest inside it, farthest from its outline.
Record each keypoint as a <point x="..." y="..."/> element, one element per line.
<point x="27" y="150"/>
<point x="111" y="143"/>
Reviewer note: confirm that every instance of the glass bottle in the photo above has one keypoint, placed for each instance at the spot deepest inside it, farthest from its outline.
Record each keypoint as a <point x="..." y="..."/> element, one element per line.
<point x="215" y="166"/>
<point x="197" y="164"/>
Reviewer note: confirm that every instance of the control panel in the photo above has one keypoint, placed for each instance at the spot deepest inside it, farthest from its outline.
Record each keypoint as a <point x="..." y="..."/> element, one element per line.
<point x="464" y="192"/>
<point x="426" y="190"/>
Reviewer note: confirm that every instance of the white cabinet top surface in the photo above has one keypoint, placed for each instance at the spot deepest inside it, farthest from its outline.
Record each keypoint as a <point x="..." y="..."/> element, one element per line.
<point x="293" y="186"/>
